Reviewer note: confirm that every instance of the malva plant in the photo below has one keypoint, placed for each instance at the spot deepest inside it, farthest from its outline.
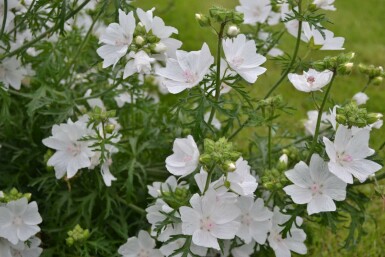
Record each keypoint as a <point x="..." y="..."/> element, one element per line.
<point x="116" y="142"/>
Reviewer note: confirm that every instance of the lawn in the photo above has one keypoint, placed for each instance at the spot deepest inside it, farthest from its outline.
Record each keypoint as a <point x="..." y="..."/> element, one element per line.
<point x="362" y="25"/>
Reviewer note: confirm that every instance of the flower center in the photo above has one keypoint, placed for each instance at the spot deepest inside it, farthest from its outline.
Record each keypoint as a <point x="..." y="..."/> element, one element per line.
<point x="237" y="61"/>
<point x="143" y="253"/>
<point x="187" y="158"/>
<point x="74" y="149"/>
<point x="189" y="76"/>
<point x="310" y="80"/>
<point x="316" y="189"/>
<point x="206" y="224"/>
<point x="17" y="221"/>
<point x="257" y="11"/>
<point x="246" y="219"/>
<point x="344" y="157"/>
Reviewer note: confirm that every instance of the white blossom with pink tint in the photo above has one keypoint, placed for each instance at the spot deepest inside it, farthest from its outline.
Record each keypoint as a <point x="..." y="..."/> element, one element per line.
<point x="315" y="186"/>
<point x="187" y="70"/>
<point x="208" y="220"/>
<point x="185" y="158"/>
<point x="72" y="153"/>
<point x="310" y="80"/>
<point x="348" y="154"/>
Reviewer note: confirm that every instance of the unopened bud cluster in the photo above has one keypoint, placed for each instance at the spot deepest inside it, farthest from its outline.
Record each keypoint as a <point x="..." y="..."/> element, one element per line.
<point x="353" y="116"/>
<point x="221" y="153"/>
<point x="177" y="198"/>
<point x="376" y="74"/>
<point x="98" y="115"/>
<point x="13" y="195"/>
<point x="77" y="235"/>
<point x="146" y="41"/>
<point x="221" y="15"/>
<point x="273" y="179"/>
<point x="342" y="63"/>
<point x="274" y="102"/>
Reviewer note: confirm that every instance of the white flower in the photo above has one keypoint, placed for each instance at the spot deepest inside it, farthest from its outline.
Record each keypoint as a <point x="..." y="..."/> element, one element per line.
<point x="117" y="39"/>
<point x="155" y="216"/>
<point x="347" y="155"/>
<point x="11" y="73"/>
<point x="315" y="186"/>
<point x="140" y="62"/>
<point x="326" y="41"/>
<point x="142" y="246"/>
<point x="360" y="98"/>
<point x="254" y="219"/>
<point x="325" y="4"/>
<point x="158" y="187"/>
<point x="254" y="11"/>
<point x="245" y="250"/>
<point x="185" y="158"/>
<point x="311" y="80"/>
<point x="208" y="220"/>
<point x="71" y="153"/>
<point x="18" y="220"/>
<point x="241" y="181"/>
<point x="25" y="249"/>
<point x="242" y="57"/>
<point x="160" y="30"/>
<point x="294" y="238"/>
<point x="168" y="249"/>
<point x="187" y="70"/>
<point x="311" y="123"/>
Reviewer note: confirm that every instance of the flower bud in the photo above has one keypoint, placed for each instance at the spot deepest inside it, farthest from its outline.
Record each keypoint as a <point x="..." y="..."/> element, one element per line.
<point x="346" y="68"/>
<point x="312" y="7"/>
<point x="205" y="158"/>
<point x="377" y="81"/>
<point x="283" y="162"/>
<point x="229" y="166"/>
<point x="203" y="20"/>
<point x="139" y="40"/>
<point x="160" y="47"/>
<point x="374" y="117"/>
<point x="233" y="31"/>
<point x="110" y="128"/>
<point x="153" y="39"/>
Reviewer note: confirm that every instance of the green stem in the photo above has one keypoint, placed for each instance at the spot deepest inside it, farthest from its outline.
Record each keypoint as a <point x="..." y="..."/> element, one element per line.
<point x="317" y="128"/>
<point x="314" y="100"/>
<point x="366" y="86"/>
<point x="5" y="10"/>
<point x="269" y="146"/>
<point x="43" y="35"/>
<point x="136" y="208"/>
<point x="294" y="54"/>
<point x="218" y="77"/>
<point x="209" y="175"/>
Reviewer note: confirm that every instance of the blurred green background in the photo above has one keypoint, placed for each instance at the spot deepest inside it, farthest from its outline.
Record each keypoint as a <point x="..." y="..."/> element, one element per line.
<point x="362" y="23"/>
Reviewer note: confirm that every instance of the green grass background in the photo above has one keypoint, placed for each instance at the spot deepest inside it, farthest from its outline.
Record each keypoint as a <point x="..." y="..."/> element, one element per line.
<point x="362" y="23"/>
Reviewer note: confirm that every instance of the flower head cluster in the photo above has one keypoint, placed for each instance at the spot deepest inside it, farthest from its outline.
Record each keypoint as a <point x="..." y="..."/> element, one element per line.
<point x="142" y="44"/>
<point x="75" y="147"/>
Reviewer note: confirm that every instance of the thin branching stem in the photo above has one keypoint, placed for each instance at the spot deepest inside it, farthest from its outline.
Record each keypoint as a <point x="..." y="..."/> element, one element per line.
<point x="5" y="10"/>
<point x="319" y="117"/>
